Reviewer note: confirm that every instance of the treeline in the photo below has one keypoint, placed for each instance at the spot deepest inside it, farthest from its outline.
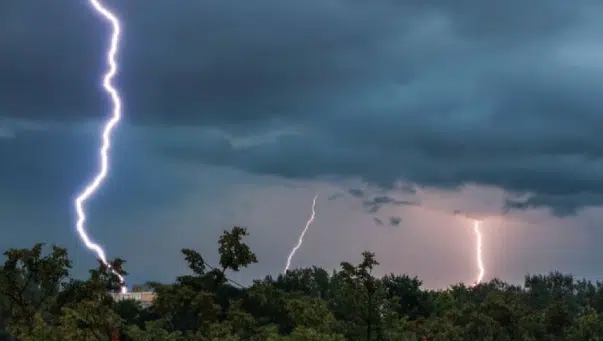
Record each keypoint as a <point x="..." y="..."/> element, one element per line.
<point x="40" y="302"/>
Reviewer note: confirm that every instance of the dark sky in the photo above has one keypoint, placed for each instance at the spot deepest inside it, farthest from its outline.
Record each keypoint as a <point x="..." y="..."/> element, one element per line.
<point x="434" y="95"/>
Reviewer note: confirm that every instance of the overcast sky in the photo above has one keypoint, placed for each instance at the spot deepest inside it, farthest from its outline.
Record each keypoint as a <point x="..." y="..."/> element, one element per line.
<point x="398" y="112"/>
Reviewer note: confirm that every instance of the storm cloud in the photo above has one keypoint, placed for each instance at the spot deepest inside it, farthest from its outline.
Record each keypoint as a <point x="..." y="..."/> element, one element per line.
<point x="438" y="95"/>
<point x="395" y="221"/>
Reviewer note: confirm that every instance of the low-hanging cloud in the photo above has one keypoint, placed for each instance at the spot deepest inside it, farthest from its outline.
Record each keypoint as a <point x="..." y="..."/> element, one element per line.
<point x="395" y="221"/>
<point x="501" y="94"/>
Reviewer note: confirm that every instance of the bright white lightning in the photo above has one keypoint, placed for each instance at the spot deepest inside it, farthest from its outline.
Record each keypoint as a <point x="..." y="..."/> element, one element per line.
<point x="301" y="236"/>
<point x="478" y="252"/>
<point x="92" y="186"/>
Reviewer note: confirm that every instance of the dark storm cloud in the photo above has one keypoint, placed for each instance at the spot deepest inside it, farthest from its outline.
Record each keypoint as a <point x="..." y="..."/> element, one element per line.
<point x="356" y="192"/>
<point x="335" y="196"/>
<point x="440" y="95"/>
<point x="407" y="188"/>
<point x="375" y="204"/>
<point x="395" y="221"/>
<point x="560" y="206"/>
<point x="47" y="167"/>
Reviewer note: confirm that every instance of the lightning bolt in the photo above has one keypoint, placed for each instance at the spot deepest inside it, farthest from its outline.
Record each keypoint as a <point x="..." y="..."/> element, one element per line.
<point x="301" y="236"/>
<point x="96" y="182"/>
<point x="478" y="252"/>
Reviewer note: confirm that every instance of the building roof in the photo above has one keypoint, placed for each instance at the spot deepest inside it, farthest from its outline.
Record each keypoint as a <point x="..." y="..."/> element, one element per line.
<point x="145" y="297"/>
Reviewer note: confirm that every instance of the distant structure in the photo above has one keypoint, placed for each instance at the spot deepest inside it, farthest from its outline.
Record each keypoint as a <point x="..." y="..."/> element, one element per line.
<point x="144" y="297"/>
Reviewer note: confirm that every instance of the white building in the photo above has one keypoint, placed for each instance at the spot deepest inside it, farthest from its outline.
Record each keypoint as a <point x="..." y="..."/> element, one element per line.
<point x="144" y="297"/>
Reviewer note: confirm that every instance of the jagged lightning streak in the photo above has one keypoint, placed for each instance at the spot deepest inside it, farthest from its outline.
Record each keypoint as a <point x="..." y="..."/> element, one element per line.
<point x="301" y="236"/>
<point x="92" y="186"/>
<point x="478" y="252"/>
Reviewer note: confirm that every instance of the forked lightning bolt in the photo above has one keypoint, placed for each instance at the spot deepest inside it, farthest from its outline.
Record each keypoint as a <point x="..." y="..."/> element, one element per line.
<point x="301" y="236"/>
<point x="93" y="185"/>
<point x="478" y="252"/>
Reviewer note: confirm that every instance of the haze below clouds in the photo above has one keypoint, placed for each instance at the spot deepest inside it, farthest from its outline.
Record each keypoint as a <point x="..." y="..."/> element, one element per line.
<point x="237" y="112"/>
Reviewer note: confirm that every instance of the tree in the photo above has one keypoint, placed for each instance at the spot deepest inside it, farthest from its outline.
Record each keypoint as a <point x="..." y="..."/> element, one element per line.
<point x="153" y="331"/>
<point x="412" y="302"/>
<point x="198" y="304"/>
<point x="40" y="302"/>
<point x="359" y="298"/>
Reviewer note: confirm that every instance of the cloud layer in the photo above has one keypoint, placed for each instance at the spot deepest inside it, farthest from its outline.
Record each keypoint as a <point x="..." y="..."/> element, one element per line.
<point x="502" y="94"/>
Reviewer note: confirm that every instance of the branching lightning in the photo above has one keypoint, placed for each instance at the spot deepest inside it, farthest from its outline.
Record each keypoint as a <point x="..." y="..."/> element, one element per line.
<point x="301" y="236"/>
<point x="93" y="185"/>
<point x="478" y="252"/>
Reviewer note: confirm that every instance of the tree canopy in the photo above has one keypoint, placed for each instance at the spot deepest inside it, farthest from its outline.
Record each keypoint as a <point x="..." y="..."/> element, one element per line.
<point x="40" y="301"/>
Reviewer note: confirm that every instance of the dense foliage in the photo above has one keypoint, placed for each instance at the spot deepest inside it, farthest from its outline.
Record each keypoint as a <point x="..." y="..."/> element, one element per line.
<point x="40" y="302"/>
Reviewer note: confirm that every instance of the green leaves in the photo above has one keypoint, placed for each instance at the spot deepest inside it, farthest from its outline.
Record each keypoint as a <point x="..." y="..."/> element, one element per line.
<point x="42" y="304"/>
<point x="153" y="331"/>
<point x="195" y="261"/>
<point x="310" y="334"/>
<point x="39" y="302"/>
<point x="234" y="253"/>
<point x="310" y="312"/>
<point x="88" y="320"/>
